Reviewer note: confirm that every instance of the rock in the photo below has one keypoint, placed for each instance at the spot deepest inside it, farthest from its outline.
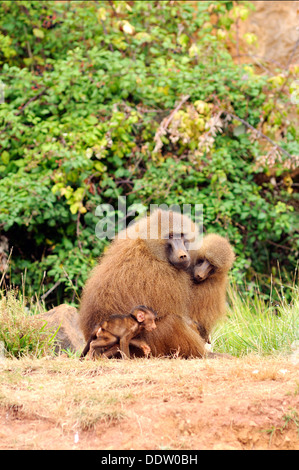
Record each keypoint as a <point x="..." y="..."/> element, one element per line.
<point x="69" y="335"/>
<point x="275" y="25"/>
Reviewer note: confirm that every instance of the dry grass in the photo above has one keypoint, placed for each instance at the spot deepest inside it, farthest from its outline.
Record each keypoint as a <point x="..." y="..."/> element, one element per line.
<point x="162" y="404"/>
<point x="74" y="394"/>
<point x="66" y="391"/>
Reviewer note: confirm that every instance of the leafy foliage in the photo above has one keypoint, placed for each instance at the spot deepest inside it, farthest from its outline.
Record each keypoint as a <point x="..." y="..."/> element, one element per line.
<point x="91" y="90"/>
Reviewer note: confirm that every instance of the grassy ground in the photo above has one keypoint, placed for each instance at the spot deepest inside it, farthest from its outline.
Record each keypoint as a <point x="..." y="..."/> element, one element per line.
<point x="62" y="403"/>
<point x="248" y="402"/>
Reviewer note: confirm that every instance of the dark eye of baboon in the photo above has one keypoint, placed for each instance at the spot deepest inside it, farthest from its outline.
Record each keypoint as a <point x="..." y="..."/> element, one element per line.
<point x="170" y="250"/>
<point x="170" y="236"/>
<point x="199" y="262"/>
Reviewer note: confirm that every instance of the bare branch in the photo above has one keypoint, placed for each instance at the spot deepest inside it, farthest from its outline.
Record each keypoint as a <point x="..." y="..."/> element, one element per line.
<point x="258" y="133"/>
<point x="165" y="123"/>
<point x="50" y="290"/>
<point x="34" y="98"/>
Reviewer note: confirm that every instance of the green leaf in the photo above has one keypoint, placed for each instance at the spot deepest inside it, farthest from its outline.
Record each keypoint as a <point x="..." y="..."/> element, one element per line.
<point x="183" y="40"/>
<point x="5" y="157"/>
<point x="99" y="166"/>
<point x="38" y="33"/>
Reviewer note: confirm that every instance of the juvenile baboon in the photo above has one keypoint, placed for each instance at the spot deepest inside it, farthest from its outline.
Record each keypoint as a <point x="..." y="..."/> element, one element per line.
<point x="147" y="268"/>
<point x="116" y="333"/>
<point x="209" y="268"/>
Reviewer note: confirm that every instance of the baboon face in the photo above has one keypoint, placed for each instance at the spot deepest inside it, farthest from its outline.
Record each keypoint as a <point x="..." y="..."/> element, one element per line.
<point x="202" y="270"/>
<point x="146" y="317"/>
<point x="149" y="323"/>
<point x="177" y="252"/>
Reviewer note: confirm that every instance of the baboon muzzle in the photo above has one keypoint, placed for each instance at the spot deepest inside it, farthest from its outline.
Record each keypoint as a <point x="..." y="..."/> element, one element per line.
<point x="179" y="256"/>
<point x="202" y="271"/>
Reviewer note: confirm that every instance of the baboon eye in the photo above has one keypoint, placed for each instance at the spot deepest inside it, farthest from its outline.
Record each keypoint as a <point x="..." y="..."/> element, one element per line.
<point x="199" y="262"/>
<point x="170" y="235"/>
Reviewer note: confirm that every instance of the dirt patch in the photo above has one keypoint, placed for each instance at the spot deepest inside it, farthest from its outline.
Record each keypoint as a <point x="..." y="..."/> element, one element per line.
<point x="156" y="404"/>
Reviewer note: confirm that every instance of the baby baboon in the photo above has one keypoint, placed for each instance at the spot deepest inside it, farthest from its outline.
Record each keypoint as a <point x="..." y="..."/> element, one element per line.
<point x="209" y="268"/>
<point x="116" y="333"/>
<point x="148" y="268"/>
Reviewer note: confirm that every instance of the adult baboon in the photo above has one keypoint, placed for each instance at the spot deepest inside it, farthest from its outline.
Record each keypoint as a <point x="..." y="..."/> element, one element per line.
<point x="209" y="268"/>
<point x="148" y="267"/>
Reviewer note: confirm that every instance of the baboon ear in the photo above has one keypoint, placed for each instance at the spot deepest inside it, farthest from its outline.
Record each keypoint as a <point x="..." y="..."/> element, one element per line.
<point x="140" y="316"/>
<point x="98" y="332"/>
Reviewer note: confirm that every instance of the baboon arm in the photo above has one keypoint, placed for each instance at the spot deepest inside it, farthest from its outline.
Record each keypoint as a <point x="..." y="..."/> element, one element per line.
<point x="124" y="343"/>
<point x="142" y="345"/>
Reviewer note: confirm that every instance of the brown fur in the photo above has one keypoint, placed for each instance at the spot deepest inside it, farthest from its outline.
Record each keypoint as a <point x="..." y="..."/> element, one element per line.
<point x="208" y="302"/>
<point x="203" y="332"/>
<point x="137" y="271"/>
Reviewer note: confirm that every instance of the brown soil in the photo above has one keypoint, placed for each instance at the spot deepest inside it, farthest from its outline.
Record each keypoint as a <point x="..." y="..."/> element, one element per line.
<point x="249" y="403"/>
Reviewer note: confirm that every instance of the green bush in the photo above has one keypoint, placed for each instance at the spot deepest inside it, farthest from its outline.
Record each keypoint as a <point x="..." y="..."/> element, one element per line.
<point x="87" y="86"/>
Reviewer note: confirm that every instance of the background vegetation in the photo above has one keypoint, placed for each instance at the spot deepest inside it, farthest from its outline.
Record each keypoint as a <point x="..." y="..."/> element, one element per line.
<point x="144" y="100"/>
